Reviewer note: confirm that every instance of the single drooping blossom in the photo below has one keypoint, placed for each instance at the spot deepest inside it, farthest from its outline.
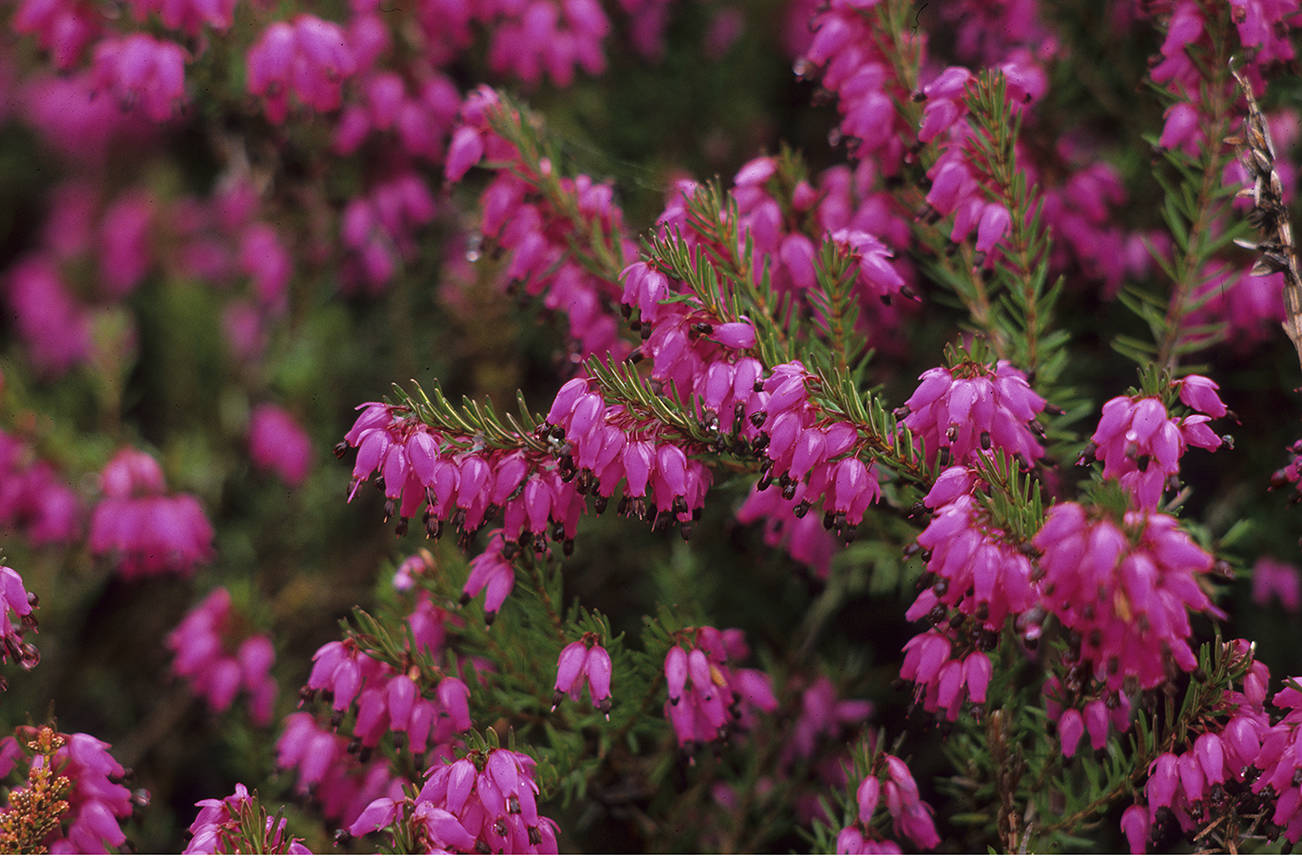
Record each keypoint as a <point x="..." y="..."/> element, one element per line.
<point x="216" y="656"/>
<point x="221" y="827"/>
<point x="485" y="802"/>
<point x="962" y="410"/>
<point x="910" y="816"/>
<point x="308" y="58"/>
<point x="279" y="444"/>
<point x="97" y="801"/>
<point x="708" y="697"/>
<point x="145" y="531"/>
<point x="139" y="71"/>
<point x="1275" y="580"/>
<point x="1140" y="445"/>
<point x="584" y="661"/>
<point x="1126" y="592"/>
<point x="17" y="617"/>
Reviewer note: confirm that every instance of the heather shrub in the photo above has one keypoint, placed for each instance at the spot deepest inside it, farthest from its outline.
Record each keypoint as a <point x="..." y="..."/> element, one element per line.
<point x="842" y="427"/>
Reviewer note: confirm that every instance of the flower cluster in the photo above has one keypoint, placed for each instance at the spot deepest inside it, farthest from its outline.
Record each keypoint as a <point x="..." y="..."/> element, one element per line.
<point x="708" y="697"/>
<point x="584" y="661"/>
<point x="485" y="802"/>
<point x="968" y="408"/>
<point x="1125" y="591"/>
<point x="531" y="217"/>
<point x="97" y="802"/>
<point x="1140" y="445"/>
<point x="140" y="71"/>
<point x="1093" y="712"/>
<point x="277" y="443"/>
<point x="1219" y="763"/>
<point x="388" y="700"/>
<point x="211" y="655"/>
<point x="943" y="681"/>
<point x="143" y="530"/>
<point x="308" y="58"/>
<point x="1280" y="759"/>
<point x="221" y="827"/>
<point x="910" y="816"/>
<point x="17" y="616"/>
<point x="330" y="771"/>
<point x="33" y="499"/>
<point x="379" y="229"/>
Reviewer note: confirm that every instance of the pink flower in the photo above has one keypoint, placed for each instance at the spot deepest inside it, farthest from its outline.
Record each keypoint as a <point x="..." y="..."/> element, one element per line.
<point x="145" y="532"/>
<point x="200" y="644"/>
<point x="139" y="70"/>
<point x="307" y="57"/>
<point x="484" y="800"/>
<point x="220" y="827"/>
<point x="1274" y="579"/>
<point x="965" y="409"/>
<point x="1141" y="446"/>
<point x="1128" y="601"/>
<point x="707" y="697"/>
<point x="97" y="801"/>
<point x="277" y="443"/>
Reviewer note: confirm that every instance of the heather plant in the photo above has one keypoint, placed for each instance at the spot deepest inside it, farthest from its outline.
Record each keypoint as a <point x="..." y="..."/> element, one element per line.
<point x="835" y="426"/>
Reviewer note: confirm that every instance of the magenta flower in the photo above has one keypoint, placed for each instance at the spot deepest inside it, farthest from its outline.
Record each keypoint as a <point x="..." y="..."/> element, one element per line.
<point x="1277" y="580"/>
<point x="144" y="531"/>
<point x="1141" y="446"/>
<point x="1128" y="601"/>
<point x="965" y="409"/>
<point x="308" y="57"/>
<point x="55" y="328"/>
<point x="190" y="16"/>
<point x="17" y="616"/>
<point x="483" y="802"/>
<point x="707" y="696"/>
<point x="584" y="661"/>
<point x="279" y="444"/>
<point x="339" y="781"/>
<point x="140" y="71"/>
<point x="62" y="29"/>
<point x="97" y="801"/>
<point x="200" y="644"/>
<point x="910" y="816"/>
<point x="1134" y="825"/>
<point x="219" y="828"/>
